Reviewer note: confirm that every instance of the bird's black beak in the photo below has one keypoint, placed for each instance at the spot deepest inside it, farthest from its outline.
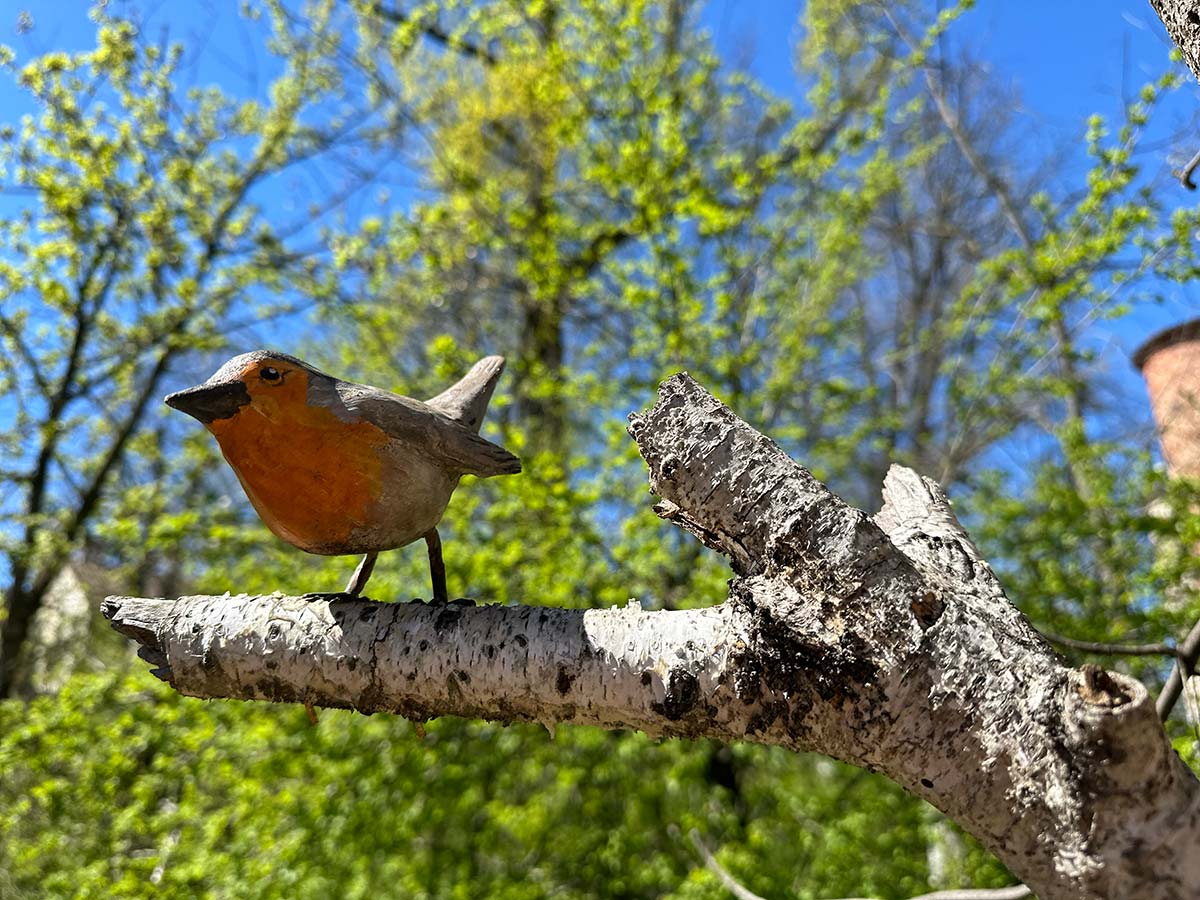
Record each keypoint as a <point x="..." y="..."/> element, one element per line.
<point x="209" y="402"/>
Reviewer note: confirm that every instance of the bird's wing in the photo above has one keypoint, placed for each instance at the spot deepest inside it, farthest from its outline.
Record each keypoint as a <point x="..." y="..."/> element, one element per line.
<point x="449" y="444"/>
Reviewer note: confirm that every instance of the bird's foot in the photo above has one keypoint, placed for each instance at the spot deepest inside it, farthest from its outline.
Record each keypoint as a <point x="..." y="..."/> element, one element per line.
<point x="331" y="596"/>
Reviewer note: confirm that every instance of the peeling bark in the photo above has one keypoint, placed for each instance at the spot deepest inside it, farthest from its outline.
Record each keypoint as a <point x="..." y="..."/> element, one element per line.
<point x="883" y="641"/>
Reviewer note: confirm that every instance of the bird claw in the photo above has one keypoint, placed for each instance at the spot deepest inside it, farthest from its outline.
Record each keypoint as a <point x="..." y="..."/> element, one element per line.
<point x="330" y="596"/>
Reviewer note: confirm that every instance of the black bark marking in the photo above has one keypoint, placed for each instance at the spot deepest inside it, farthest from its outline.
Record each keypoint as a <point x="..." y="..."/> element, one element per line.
<point x="747" y="674"/>
<point x="565" y="679"/>
<point x="682" y="692"/>
<point x="767" y="716"/>
<point x="794" y="666"/>
<point x="447" y="618"/>
<point x="927" y="609"/>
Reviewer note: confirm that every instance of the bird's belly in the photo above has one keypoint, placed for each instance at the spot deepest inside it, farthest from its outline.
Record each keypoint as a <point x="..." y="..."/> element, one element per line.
<point x="336" y="491"/>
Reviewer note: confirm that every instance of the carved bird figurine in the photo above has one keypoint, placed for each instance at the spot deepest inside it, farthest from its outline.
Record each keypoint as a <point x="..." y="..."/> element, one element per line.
<point x="334" y="467"/>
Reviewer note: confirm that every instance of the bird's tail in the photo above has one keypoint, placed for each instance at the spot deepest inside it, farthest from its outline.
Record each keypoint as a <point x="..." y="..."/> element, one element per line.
<point x="467" y="401"/>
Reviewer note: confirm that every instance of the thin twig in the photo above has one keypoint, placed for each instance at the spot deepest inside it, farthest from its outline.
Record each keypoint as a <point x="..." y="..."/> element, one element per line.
<point x="1185" y="174"/>
<point x="1111" y="649"/>
<point x="739" y="890"/>
<point x="1015" y="892"/>
<point x="435" y="32"/>
<point x="731" y="884"/>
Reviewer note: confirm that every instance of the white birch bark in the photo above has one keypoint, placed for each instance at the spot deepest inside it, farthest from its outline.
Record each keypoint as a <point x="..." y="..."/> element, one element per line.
<point x="886" y="642"/>
<point x="1182" y="20"/>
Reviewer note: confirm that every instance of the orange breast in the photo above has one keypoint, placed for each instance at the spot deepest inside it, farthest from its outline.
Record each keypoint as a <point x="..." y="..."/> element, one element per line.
<point x="314" y="479"/>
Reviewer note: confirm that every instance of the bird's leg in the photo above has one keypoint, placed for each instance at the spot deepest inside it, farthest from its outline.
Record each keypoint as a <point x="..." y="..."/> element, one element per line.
<point x="437" y="567"/>
<point x="358" y="580"/>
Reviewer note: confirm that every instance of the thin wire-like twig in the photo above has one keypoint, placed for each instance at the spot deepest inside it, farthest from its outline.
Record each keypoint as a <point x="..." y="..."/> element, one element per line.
<point x="1104" y="649"/>
<point x="731" y="884"/>
<point x="741" y="892"/>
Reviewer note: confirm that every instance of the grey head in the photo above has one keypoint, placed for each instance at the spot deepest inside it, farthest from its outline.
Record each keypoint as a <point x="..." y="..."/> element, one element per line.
<point x="225" y="392"/>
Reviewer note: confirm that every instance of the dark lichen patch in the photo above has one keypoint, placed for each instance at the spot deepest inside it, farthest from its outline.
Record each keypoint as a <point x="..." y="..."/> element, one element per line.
<point x="447" y="618"/>
<point x="800" y="705"/>
<point x="564" y="680"/>
<point x="371" y="699"/>
<point x="647" y="677"/>
<point x="767" y="716"/>
<point x="463" y="676"/>
<point x="682" y="692"/>
<point x="270" y="689"/>
<point x="413" y="711"/>
<point x="747" y="674"/>
<point x="793" y="664"/>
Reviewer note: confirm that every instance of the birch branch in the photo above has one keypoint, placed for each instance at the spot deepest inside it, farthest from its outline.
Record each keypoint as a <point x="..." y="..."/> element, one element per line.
<point x="886" y="642"/>
<point x="1182" y="21"/>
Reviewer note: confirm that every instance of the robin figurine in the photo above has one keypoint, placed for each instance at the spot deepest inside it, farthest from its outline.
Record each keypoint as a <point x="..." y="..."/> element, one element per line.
<point x="334" y="467"/>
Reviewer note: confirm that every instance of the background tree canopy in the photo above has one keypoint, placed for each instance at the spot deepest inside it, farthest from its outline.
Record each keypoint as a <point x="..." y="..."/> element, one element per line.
<point x="880" y="267"/>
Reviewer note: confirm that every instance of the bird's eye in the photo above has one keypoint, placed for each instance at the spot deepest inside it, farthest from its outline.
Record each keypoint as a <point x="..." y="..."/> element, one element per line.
<point x="270" y="374"/>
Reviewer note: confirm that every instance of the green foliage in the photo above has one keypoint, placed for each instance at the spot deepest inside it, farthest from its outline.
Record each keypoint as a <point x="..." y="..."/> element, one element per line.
<point x="152" y="794"/>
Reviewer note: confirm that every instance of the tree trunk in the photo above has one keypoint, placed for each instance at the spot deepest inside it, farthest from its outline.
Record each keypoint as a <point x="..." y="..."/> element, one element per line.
<point x="1182" y="18"/>
<point x="20" y="606"/>
<point x="885" y="642"/>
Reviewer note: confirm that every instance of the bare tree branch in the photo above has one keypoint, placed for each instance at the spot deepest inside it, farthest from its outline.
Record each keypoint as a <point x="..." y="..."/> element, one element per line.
<point x="437" y="34"/>
<point x="1185" y="666"/>
<point x="1103" y="649"/>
